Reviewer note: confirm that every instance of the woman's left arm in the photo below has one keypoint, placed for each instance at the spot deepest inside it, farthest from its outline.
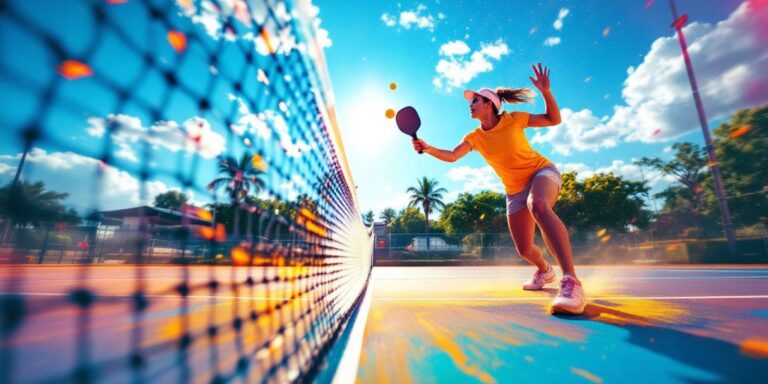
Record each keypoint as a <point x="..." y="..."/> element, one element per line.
<point x="552" y="114"/>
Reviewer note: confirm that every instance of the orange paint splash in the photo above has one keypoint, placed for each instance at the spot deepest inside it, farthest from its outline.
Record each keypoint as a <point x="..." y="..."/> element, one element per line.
<point x="177" y="40"/>
<point x="741" y="131"/>
<point x="73" y="70"/>
<point x="240" y="256"/>
<point x="757" y="348"/>
<point x="392" y="86"/>
<point x="265" y="36"/>
<point x="219" y="234"/>
<point x="390" y="113"/>
<point x="259" y="163"/>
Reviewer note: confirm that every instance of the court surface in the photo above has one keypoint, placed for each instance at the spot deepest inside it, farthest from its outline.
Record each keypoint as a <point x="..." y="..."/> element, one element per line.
<point x="418" y="324"/>
<point x="643" y="324"/>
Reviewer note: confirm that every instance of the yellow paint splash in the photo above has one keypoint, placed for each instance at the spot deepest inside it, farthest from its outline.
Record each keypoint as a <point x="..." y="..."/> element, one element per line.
<point x="587" y="375"/>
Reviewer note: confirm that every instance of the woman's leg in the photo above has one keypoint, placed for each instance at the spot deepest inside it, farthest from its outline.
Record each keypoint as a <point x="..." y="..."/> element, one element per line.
<point x="541" y="199"/>
<point x="522" y="226"/>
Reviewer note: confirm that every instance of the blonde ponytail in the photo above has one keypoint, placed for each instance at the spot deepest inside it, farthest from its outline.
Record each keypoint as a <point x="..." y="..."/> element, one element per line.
<point x="514" y="96"/>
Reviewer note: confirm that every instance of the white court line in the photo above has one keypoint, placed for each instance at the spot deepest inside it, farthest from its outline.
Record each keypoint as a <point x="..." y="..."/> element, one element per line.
<point x="613" y="298"/>
<point x="346" y="372"/>
<point x="585" y="278"/>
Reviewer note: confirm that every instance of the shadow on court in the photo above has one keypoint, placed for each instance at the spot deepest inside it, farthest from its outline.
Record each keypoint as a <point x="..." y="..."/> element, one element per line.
<point x="721" y="358"/>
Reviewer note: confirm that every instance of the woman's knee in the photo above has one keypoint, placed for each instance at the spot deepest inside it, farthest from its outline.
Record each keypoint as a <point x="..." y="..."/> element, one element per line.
<point x="538" y="206"/>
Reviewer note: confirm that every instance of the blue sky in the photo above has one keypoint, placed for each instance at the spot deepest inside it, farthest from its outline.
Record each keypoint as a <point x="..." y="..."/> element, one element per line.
<point x="600" y="45"/>
<point x="616" y="72"/>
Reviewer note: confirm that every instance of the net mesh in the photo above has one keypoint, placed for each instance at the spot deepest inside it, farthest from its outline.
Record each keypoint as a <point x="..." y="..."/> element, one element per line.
<point x="110" y="104"/>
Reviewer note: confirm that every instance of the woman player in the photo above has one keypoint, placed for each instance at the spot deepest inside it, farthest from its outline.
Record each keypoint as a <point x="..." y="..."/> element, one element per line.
<point x="531" y="182"/>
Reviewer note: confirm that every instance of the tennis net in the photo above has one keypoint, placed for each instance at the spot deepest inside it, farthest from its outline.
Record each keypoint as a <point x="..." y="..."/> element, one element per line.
<point x="176" y="202"/>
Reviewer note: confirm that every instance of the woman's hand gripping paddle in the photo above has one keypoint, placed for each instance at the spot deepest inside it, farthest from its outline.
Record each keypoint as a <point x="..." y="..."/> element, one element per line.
<point x="408" y="121"/>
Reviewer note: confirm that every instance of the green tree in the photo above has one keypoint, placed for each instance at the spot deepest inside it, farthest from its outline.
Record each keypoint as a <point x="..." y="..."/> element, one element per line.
<point x="484" y="212"/>
<point x="427" y="195"/>
<point x="29" y="203"/>
<point x="388" y="214"/>
<point x="368" y="217"/>
<point x="239" y="178"/>
<point x="409" y="220"/>
<point x="171" y="200"/>
<point x="741" y="145"/>
<point x="602" y="201"/>
<point x="689" y="167"/>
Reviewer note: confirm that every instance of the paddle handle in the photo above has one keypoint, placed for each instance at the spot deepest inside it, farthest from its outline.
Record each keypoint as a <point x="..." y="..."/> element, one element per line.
<point x="416" y="138"/>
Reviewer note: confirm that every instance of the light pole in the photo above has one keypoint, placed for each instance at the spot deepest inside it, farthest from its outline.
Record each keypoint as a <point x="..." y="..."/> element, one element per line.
<point x="713" y="164"/>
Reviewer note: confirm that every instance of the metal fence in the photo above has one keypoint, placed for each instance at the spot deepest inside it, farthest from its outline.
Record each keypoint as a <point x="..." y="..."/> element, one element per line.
<point x="593" y="247"/>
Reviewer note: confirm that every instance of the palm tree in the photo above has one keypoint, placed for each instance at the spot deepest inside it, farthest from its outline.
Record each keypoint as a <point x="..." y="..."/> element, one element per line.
<point x="388" y="214"/>
<point x="31" y="203"/>
<point x="239" y="178"/>
<point x="368" y="218"/>
<point x="429" y="196"/>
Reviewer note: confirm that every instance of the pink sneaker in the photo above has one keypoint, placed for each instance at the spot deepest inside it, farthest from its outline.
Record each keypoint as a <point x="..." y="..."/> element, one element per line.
<point x="570" y="300"/>
<point x="540" y="279"/>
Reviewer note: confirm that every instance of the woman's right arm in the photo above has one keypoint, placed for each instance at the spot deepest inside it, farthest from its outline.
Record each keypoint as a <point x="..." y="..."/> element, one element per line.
<point x="443" y="154"/>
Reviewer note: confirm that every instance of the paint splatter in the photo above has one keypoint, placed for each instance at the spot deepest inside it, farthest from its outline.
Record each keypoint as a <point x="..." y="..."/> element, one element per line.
<point x="392" y="86"/>
<point x="177" y="40"/>
<point x="239" y="256"/>
<point x="390" y="113"/>
<point x="73" y="70"/>
<point x="656" y="132"/>
<point x="259" y="163"/>
<point x="605" y="238"/>
<point x="606" y="31"/>
<point x="756" y="348"/>
<point x="601" y="232"/>
<point x="587" y="375"/>
<point x="741" y="131"/>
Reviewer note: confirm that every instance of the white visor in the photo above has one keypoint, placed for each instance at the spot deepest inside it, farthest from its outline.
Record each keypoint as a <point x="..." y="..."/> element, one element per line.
<point x="485" y="92"/>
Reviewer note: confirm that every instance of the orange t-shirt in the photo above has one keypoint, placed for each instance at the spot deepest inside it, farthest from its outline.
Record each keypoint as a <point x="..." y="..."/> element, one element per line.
<point x="507" y="151"/>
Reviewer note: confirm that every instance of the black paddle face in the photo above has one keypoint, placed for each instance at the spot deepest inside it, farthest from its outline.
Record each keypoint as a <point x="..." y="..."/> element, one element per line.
<point x="408" y="122"/>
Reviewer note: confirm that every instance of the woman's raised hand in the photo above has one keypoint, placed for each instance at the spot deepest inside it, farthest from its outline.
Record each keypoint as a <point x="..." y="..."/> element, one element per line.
<point x="542" y="78"/>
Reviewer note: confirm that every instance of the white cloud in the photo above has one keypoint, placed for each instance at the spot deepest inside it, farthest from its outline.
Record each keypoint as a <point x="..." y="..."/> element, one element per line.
<point x="457" y="68"/>
<point x="263" y="124"/>
<point x="388" y="20"/>
<point x="475" y="179"/>
<point x="276" y="33"/>
<point x="75" y="174"/>
<point x="196" y="135"/>
<point x="457" y="47"/>
<point x="552" y="41"/>
<point x="658" y="106"/>
<point x="412" y="18"/>
<point x="558" y="24"/>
